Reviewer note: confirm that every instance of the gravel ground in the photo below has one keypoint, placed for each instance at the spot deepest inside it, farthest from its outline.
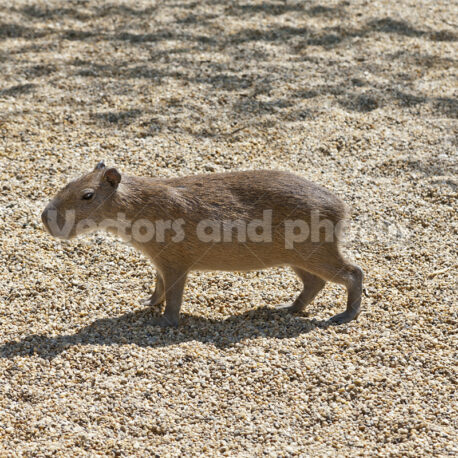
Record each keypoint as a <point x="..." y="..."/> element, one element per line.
<point x="358" y="96"/>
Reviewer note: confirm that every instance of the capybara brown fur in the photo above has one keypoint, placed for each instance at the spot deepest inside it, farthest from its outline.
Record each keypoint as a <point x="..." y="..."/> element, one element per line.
<point x="236" y="221"/>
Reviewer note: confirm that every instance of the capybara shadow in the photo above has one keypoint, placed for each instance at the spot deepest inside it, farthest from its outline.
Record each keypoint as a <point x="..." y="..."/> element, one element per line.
<point x="139" y="328"/>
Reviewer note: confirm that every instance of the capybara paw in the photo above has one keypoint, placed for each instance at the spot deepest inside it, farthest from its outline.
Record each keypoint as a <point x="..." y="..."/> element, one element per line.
<point x="344" y="317"/>
<point x="145" y="301"/>
<point x="166" y="322"/>
<point x="150" y="301"/>
<point x="292" y="308"/>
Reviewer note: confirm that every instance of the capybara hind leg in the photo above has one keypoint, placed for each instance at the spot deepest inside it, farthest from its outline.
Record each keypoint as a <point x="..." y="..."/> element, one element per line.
<point x="312" y="286"/>
<point x="336" y="269"/>
<point x="353" y="278"/>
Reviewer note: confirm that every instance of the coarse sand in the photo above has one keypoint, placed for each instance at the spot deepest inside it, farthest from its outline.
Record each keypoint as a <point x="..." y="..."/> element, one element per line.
<point x="359" y="96"/>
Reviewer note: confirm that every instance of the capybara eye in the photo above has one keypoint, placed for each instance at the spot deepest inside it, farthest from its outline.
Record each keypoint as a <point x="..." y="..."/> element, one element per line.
<point x="88" y="195"/>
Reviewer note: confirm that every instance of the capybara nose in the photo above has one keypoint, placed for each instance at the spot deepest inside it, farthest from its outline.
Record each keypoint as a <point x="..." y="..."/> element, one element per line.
<point x="45" y="215"/>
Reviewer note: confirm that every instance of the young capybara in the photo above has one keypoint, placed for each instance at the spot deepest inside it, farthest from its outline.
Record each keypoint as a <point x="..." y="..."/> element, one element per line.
<point x="234" y="221"/>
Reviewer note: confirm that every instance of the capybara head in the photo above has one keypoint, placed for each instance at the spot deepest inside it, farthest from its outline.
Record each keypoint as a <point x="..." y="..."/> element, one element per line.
<point x="82" y="204"/>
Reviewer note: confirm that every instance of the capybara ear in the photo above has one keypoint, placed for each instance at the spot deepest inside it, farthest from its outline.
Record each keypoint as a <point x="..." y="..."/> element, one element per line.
<point x="112" y="176"/>
<point x="100" y="165"/>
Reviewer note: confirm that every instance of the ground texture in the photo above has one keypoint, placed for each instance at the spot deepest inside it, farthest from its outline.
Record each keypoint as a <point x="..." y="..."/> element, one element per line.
<point x="359" y="96"/>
